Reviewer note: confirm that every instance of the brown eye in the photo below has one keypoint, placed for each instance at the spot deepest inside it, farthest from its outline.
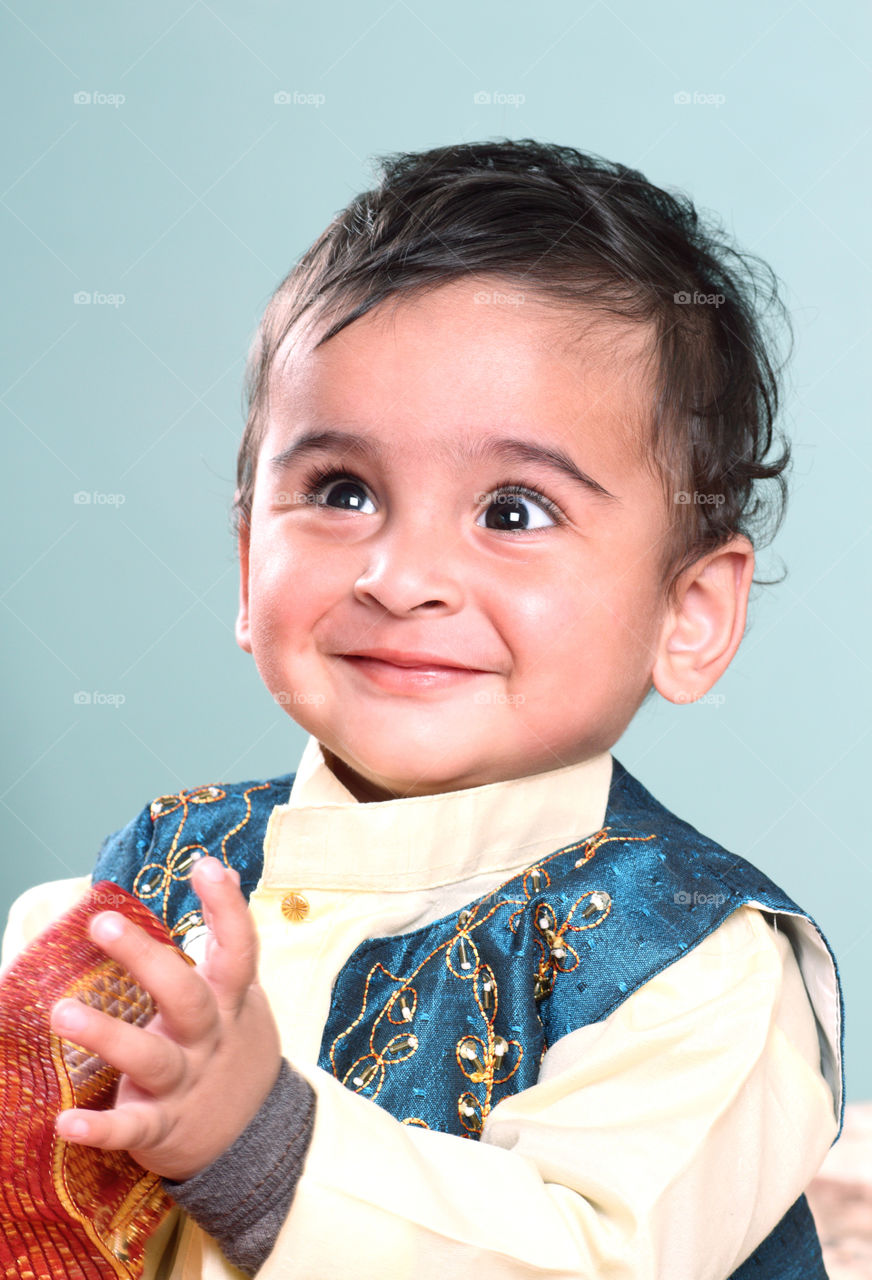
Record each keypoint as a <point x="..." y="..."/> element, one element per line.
<point x="513" y="509"/>
<point x="330" y="487"/>
<point x="345" y="494"/>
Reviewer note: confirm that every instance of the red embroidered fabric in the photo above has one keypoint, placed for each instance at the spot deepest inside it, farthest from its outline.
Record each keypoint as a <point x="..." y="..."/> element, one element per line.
<point x="69" y="1212"/>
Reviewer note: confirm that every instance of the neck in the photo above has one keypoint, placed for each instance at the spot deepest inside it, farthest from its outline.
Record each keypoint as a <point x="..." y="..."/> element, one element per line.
<point x="361" y="788"/>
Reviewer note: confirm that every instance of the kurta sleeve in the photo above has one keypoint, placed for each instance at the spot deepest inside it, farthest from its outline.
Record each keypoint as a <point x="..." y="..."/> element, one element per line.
<point x="702" y="1090"/>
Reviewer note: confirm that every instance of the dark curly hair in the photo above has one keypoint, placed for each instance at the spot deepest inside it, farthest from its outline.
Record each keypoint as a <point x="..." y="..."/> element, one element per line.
<point x="584" y="232"/>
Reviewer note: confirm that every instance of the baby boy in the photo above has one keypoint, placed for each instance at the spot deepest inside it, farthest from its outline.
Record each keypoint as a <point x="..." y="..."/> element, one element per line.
<point x="511" y="1016"/>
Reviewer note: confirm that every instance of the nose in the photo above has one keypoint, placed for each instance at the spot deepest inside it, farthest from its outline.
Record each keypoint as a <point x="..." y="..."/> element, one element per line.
<point x="410" y="570"/>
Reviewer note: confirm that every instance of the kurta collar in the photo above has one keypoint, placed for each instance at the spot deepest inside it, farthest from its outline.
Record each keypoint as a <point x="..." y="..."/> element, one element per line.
<point x="325" y="838"/>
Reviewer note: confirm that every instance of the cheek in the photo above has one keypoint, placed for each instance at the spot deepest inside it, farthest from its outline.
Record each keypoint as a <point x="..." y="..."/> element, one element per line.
<point x="293" y="588"/>
<point x="557" y="604"/>
<point x="284" y="591"/>
<point x="578" y="622"/>
<point x="553" y="626"/>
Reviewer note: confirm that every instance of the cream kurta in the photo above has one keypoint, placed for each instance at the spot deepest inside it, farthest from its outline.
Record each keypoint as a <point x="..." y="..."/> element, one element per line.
<point x="703" y="1090"/>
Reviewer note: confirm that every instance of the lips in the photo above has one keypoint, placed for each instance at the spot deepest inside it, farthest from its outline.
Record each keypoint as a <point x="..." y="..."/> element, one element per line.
<point x="416" y="659"/>
<point x="412" y="674"/>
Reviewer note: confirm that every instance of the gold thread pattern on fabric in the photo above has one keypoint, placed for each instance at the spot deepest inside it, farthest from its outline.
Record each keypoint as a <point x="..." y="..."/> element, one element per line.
<point x="496" y="1059"/>
<point x="155" y="879"/>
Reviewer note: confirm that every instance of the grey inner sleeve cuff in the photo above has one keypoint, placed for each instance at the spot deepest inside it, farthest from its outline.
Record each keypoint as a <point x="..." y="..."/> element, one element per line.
<point x="243" y="1197"/>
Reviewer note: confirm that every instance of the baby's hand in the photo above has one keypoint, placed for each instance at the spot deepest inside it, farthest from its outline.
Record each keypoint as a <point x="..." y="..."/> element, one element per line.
<point x="193" y="1078"/>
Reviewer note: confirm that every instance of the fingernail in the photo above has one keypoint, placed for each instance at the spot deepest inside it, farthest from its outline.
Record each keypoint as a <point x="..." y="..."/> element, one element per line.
<point x="109" y="927"/>
<point x="213" y="870"/>
<point x="72" y="1016"/>
<point x="77" y="1128"/>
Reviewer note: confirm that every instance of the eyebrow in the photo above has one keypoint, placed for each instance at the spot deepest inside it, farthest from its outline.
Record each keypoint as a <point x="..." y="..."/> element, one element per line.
<point x="507" y="448"/>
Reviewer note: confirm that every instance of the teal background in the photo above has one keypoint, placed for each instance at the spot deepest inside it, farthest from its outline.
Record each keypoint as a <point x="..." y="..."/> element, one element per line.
<point x="193" y="197"/>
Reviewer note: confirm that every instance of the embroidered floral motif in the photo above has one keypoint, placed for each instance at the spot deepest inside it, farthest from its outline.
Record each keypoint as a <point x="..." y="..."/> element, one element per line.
<point x="154" y="880"/>
<point x="486" y="1055"/>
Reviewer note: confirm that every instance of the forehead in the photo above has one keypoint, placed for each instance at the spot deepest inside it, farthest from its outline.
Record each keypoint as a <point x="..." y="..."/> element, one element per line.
<point x="470" y="358"/>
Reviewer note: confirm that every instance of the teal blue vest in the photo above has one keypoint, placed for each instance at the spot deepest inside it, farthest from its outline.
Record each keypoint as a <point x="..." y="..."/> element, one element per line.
<point x="438" y="1025"/>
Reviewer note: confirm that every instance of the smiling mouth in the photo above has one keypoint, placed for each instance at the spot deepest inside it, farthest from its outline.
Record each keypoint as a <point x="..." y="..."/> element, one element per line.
<point x="399" y="676"/>
<point x="425" y="665"/>
<point x="416" y="659"/>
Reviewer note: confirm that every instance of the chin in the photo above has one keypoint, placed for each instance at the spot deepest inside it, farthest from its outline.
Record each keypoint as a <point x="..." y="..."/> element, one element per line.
<point x="386" y="767"/>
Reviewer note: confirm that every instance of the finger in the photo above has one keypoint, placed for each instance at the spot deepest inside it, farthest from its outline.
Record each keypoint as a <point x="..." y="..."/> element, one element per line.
<point x="133" y="1126"/>
<point x="184" y="1000"/>
<point x="231" y="953"/>
<point x="153" y="1062"/>
<point x="234" y="875"/>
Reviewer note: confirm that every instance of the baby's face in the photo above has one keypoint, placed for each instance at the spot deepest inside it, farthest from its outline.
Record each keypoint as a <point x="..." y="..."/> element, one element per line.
<point x="540" y="613"/>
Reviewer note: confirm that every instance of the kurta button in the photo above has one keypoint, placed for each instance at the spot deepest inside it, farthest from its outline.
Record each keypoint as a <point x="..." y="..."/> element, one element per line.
<point x="295" y="907"/>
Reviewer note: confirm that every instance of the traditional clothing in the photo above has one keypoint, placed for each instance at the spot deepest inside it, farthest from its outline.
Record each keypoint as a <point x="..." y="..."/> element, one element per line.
<point x="624" y="1024"/>
<point x="69" y="1212"/>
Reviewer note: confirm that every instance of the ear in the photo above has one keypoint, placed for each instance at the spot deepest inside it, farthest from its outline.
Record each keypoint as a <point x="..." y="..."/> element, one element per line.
<point x="243" y="629"/>
<point x="704" y="628"/>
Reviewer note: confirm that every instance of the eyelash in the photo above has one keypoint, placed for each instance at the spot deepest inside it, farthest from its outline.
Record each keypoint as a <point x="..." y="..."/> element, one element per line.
<point x="319" y="474"/>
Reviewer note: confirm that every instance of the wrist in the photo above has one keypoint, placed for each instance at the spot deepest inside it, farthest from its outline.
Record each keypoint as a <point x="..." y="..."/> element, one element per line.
<point x="222" y="1134"/>
<point x="243" y="1196"/>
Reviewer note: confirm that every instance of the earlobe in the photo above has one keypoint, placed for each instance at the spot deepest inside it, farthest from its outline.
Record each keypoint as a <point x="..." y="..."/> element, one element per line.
<point x="703" y="630"/>
<point x="243" y="629"/>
